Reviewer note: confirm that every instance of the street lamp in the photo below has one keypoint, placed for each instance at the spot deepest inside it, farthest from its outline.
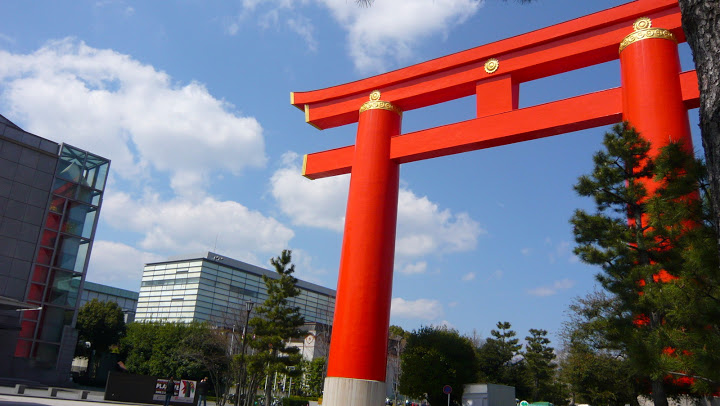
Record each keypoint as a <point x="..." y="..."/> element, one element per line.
<point x="248" y="308"/>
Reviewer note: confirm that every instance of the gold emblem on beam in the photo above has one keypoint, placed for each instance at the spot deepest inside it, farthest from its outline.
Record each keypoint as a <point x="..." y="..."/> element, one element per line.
<point x="643" y="30"/>
<point x="375" y="103"/>
<point x="492" y="65"/>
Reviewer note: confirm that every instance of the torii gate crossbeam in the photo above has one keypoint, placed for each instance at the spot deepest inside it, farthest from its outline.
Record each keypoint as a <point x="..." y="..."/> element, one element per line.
<point x="654" y="97"/>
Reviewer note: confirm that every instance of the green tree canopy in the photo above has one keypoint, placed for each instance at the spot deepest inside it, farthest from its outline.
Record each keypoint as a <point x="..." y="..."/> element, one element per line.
<point x="102" y="324"/>
<point x="435" y="357"/>
<point x="166" y="349"/>
<point x="595" y="369"/>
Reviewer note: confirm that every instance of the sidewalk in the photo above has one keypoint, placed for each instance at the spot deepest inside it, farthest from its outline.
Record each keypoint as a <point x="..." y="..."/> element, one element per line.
<point x="64" y="397"/>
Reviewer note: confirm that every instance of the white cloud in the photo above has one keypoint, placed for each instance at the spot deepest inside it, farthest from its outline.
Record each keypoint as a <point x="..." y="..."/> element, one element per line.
<point x="414" y="268"/>
<point x="277" y="14"/>
<point x="7" y="38"/>
<point x="446" y="324"/>
<point x="304" y="28"/>
<point x="131" y="113"/>
<point x="561" y="250"/>
<point x="469" y="276"/>
<point x="315" y="203"/>
<point x="378" y="36"/>
<point x="422" y="309"/>
<point x="525" y="251"/>
<point x="497" y="275"/>
<point x="389" y="30"/>
<point x="423" y="228"/>
<point x="189" y="227"/>
<point x="304" y="268"/>
<point x="553" y="289"/>
<point x="118" y="264"/>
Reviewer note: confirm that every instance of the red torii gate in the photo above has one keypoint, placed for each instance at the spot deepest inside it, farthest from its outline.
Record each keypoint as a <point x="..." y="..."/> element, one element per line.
<point x="654" y="97"/>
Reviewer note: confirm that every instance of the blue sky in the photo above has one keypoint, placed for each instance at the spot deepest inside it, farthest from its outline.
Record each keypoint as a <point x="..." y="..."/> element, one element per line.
<point x="190" y="101"/>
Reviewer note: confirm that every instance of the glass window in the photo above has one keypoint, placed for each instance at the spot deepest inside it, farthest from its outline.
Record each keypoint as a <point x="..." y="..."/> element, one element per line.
<point x="44" y="256"/>
<point x="57" y="204"/>
<point x="70" y="157"/>
<point x="63" y="289"/>
<point x="64" y="188"/>
<point x="88" y="195"/>
<point x="40" y="274"/>
<point x="53" y="322"/>
<point x="71" y="253"/>
<point x="53" y="221"/>
<point x="80" y="219"/>
<point x="97" y="169"/>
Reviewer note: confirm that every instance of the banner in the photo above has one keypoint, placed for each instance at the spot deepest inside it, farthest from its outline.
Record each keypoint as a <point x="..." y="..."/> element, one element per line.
<point x="184" y="391"/>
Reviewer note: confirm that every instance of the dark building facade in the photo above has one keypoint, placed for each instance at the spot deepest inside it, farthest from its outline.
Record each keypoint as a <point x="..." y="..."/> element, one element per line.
<point x="50" y="198"/>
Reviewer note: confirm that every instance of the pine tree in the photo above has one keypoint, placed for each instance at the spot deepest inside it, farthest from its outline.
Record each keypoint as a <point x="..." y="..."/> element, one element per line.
<point x="276" y="323"/>
<point x="500" y="362"/>
<point x="539" y="356"/>
<point x="647" y="216"/>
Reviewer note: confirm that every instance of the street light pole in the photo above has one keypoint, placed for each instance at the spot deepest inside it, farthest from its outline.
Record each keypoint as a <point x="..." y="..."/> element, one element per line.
<point x="248" y="308"/>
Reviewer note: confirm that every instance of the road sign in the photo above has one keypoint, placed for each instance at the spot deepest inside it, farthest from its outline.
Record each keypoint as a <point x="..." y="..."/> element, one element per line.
<point x="447" y="389"/>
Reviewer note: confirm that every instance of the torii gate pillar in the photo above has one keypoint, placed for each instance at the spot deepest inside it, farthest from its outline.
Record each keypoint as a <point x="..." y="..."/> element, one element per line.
<point x="652" y="93"/>
<point x="358" y="350"/>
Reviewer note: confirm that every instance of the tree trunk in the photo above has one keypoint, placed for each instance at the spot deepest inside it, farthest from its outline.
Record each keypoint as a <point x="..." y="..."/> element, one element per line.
<point x="659" y="396"/>
<point x="268" y="390"/>
<point x="701" y="23"/>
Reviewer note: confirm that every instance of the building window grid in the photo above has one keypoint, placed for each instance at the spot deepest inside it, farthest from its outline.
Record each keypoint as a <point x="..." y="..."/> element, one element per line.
<point x="222" y="289"/>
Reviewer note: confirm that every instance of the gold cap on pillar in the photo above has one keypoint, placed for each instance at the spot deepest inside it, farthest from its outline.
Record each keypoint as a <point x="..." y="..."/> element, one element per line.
<point x="643" y="30"/>
<point x="375" y="103"/>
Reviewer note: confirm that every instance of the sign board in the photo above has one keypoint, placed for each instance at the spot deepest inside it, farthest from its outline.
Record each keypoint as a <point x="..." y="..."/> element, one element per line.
<point x="184" y="391"/>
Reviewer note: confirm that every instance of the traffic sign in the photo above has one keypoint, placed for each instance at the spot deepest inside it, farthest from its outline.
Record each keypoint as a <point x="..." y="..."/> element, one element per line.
<point x="447" y="389"/>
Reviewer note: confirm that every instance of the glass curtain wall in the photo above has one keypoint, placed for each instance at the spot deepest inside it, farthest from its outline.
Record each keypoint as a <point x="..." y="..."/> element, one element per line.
<point x="62" y="254"/>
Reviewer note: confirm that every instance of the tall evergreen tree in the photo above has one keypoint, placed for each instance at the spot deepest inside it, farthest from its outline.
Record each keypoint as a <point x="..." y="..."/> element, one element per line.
<point x="638" y="237"/>
<point x="499" y="359"/>
<point x="277" y="322"/>
<point x="539" y="356"/>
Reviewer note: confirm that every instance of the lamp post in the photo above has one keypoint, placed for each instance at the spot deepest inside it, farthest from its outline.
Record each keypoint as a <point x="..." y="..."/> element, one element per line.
<point x="248" y="308"/>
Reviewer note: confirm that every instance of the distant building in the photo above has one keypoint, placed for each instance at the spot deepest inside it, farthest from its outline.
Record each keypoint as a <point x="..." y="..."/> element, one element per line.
<point x="126" y="299"/>
<point x="50" y="198"/>
<point x="215" y="288"/>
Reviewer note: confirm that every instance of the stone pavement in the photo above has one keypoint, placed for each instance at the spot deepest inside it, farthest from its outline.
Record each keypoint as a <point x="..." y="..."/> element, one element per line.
<point x="64" y="397"/>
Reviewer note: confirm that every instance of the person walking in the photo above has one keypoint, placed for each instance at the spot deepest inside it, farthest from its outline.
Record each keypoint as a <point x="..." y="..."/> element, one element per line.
<point x="169" y="391"/>
<point x="202" y="390"/>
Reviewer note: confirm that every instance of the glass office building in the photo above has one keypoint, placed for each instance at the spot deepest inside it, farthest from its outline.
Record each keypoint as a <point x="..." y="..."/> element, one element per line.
<point x="215" y="288"/>
<point x="50" y="198"/>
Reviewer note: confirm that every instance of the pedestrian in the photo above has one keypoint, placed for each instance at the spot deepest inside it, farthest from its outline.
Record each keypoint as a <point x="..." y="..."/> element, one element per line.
<point x="169" y="391"/>
<point x="202" y="389"/>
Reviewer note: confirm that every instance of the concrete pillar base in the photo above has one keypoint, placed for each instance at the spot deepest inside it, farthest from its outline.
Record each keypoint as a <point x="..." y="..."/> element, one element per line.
<point x="353" y="392"/>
